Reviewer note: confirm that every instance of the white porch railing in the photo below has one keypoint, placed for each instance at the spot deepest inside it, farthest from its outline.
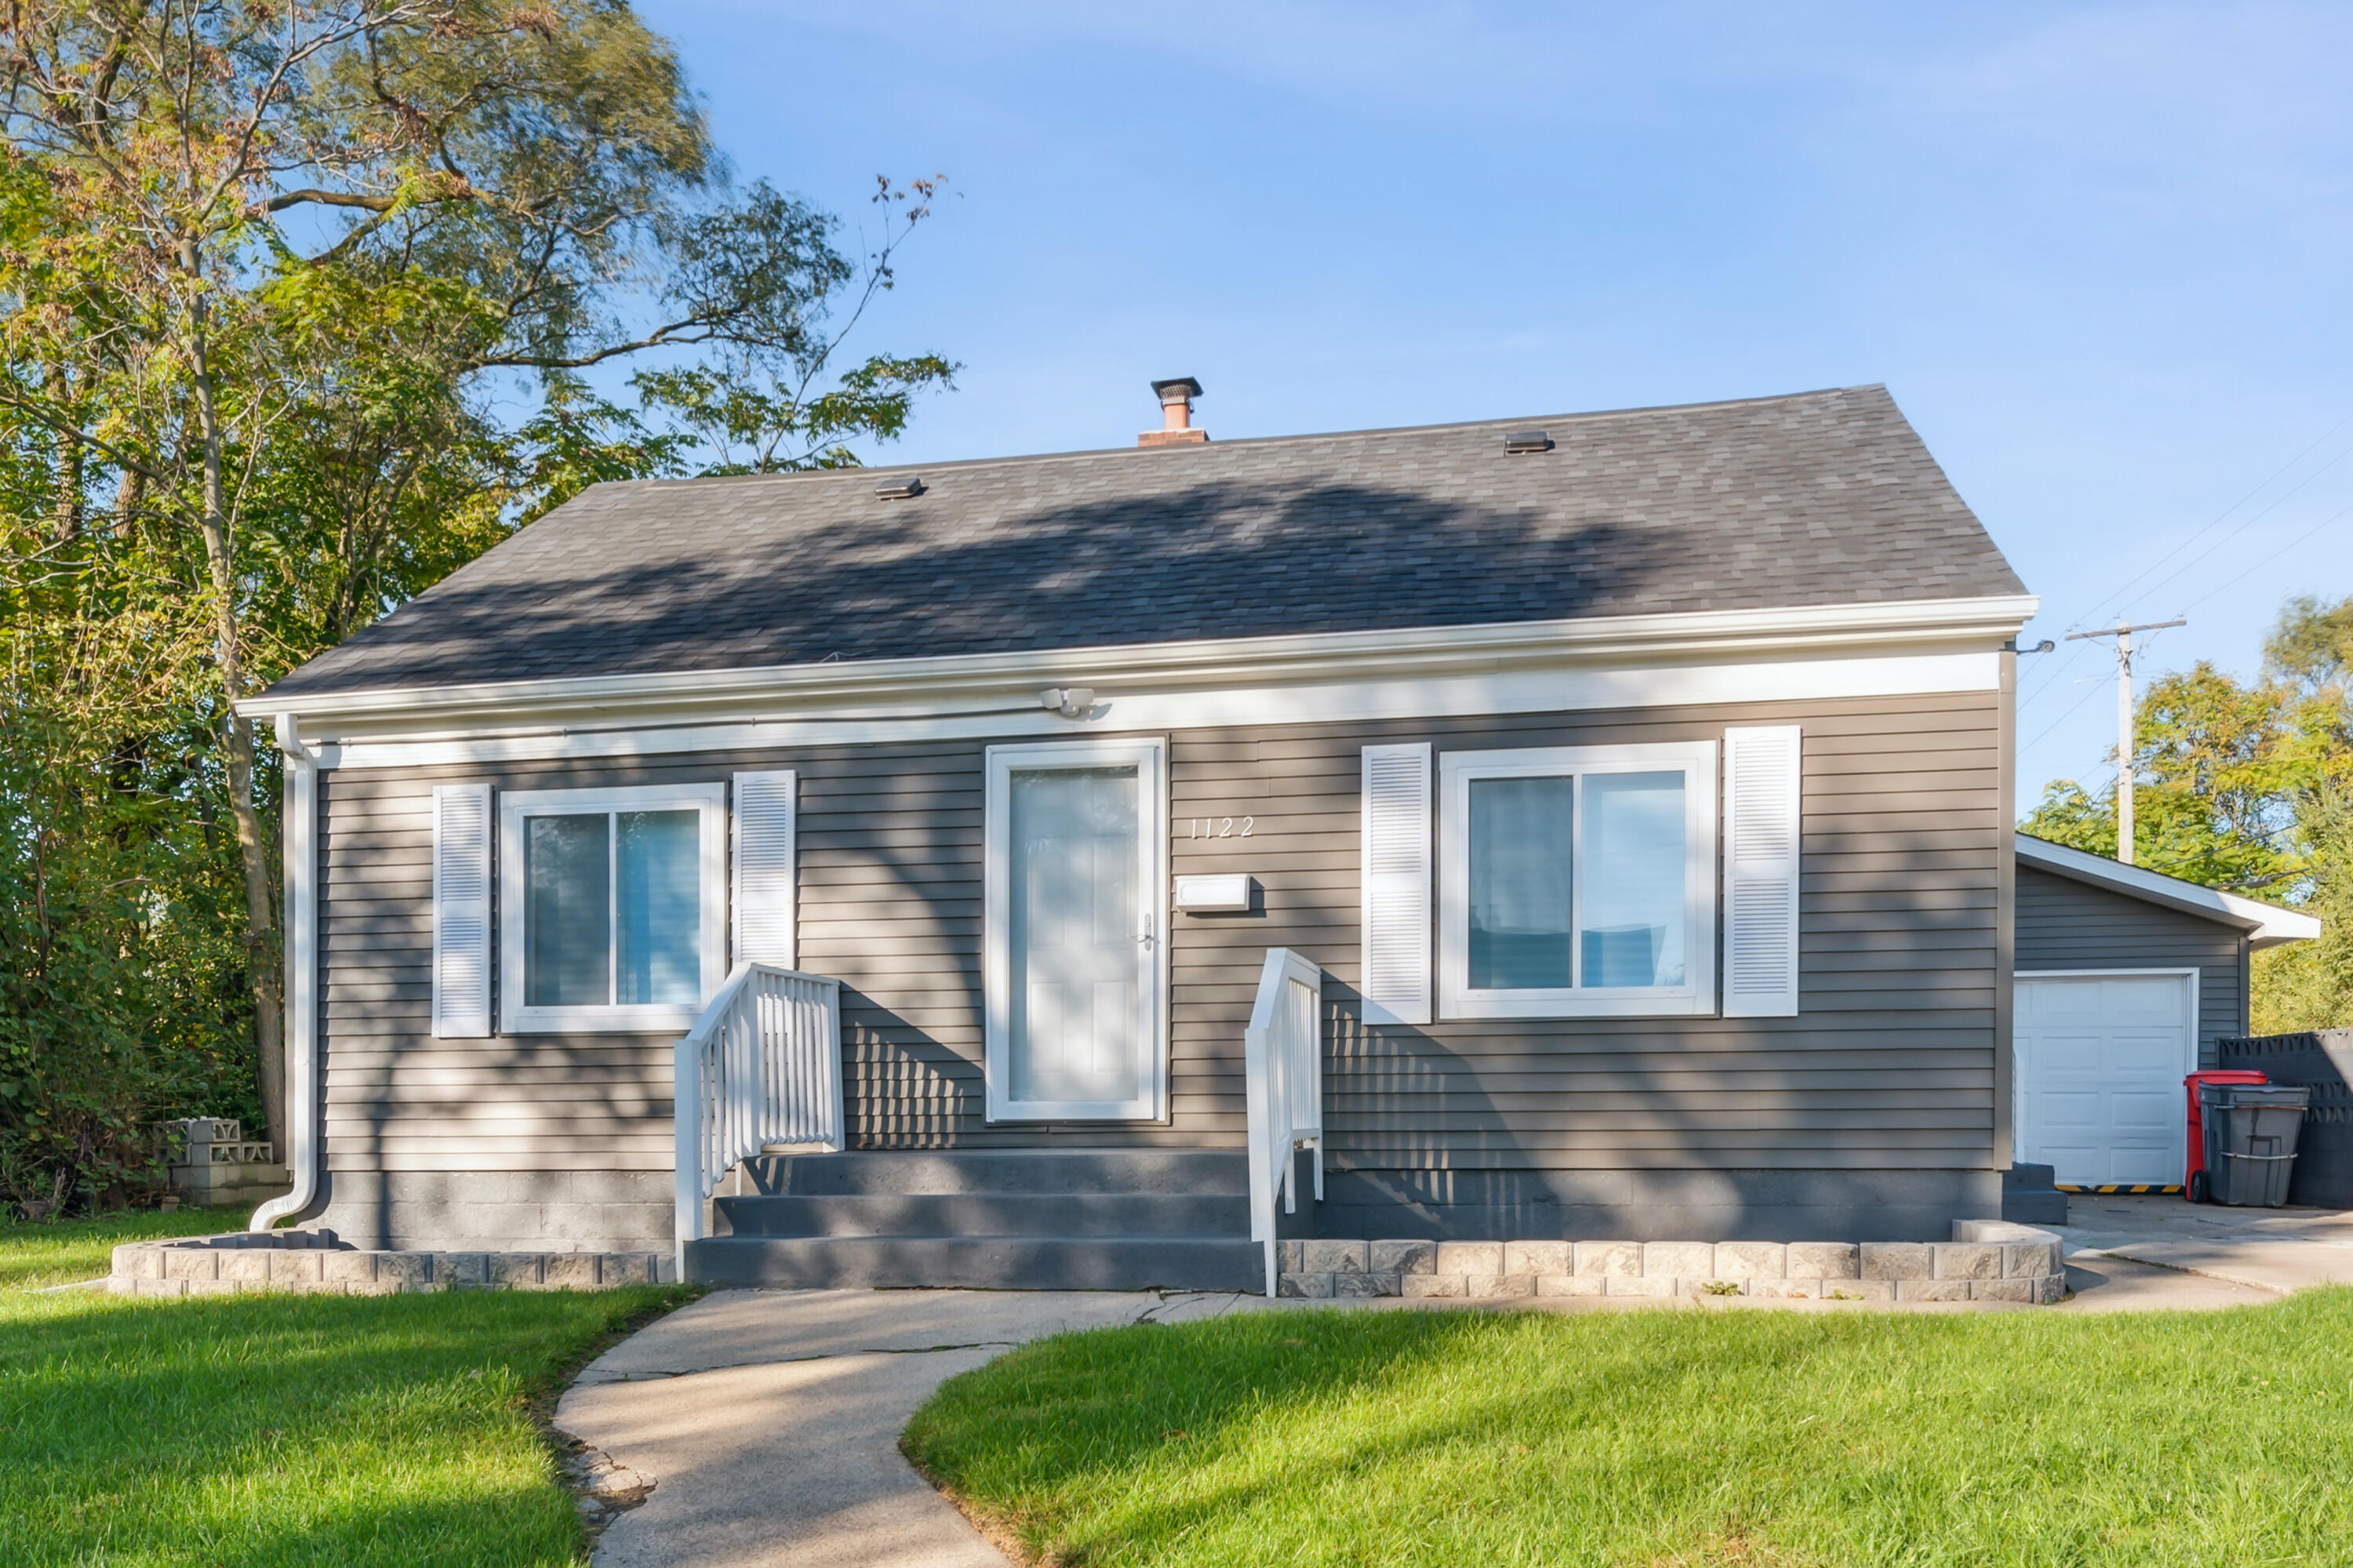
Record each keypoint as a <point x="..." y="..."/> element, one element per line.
<point x="1283" y="1058"/>
<point x="762" y="1066"/>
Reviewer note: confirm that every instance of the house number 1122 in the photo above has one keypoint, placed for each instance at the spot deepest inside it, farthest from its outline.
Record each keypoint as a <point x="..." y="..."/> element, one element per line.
<point x="1222" y="827"/>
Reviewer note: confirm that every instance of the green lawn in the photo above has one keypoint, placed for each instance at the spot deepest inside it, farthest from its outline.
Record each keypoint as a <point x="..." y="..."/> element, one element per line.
<point x="287" y="1429"/>
<point x="1661" y="1437"/>
<point x="59" y="1252"/>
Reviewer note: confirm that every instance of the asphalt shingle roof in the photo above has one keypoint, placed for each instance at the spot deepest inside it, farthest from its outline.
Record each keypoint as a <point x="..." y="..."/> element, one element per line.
<point x="1818" y="498"/>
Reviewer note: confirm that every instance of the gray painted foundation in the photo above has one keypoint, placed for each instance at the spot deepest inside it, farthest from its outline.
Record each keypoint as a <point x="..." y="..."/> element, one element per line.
<point x="1705" y="1205"/>
<point x="501" y="1210"/>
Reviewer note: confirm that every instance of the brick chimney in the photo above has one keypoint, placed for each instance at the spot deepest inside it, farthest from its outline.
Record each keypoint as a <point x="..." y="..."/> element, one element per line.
<point x="1176" y="415"/>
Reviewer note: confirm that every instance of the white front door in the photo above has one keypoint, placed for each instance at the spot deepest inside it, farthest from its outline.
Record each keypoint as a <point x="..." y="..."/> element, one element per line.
<point x="2100" y="1061"/>
<point x="1075" y="861"/>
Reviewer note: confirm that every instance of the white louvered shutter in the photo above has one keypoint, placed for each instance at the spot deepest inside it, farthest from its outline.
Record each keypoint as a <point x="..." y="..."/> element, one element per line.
<point x="764" y="868"/>
<point x="1396" y="883"/>
<point x="462" y="911"/>
<point x="1762" y="829"/>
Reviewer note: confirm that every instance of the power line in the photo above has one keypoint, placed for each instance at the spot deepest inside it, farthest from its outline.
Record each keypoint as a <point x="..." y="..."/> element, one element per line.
<point x="2267" y="560"/>
<point x="2124" y="636"/>
<point x="2062" y="718"/>
<point x="2258" y="490"/>
<point x="2242" y="528"/>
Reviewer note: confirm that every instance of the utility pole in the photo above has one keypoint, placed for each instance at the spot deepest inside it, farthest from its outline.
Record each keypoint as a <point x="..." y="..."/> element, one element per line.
<point x="2124" y="636"/>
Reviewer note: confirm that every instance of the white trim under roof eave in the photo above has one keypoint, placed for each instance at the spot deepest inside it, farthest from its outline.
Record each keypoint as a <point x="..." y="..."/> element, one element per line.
<point x="947" y="682"/>
<point x="2266" y="925"/>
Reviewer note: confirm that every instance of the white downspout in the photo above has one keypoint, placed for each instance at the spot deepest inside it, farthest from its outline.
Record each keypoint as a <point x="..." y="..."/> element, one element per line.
<point x="298" y="829"/>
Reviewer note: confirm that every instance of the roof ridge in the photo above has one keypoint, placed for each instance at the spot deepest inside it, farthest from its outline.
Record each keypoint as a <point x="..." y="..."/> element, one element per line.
<point x="969" y="464"/>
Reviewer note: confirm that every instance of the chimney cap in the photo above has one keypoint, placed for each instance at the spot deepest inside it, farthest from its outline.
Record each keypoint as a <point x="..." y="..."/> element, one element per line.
<point x="1181" y="386"/>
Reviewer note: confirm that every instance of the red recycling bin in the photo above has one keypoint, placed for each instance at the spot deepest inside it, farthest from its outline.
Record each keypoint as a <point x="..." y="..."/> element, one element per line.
<point x="2193" y="1180"/>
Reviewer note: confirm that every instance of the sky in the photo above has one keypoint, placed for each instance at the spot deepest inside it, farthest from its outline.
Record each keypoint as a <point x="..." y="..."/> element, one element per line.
<point x="2099" y="254"/>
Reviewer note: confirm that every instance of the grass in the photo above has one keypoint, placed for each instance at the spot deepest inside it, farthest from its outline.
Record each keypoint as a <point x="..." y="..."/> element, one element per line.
<point x="59" y="1252"/>
<point x="1666" y="1439"/>
<point x="287" y="1429"/>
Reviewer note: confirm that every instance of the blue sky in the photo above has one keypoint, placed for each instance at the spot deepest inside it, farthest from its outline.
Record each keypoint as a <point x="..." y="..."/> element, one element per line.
<point x="2101" y="254"/>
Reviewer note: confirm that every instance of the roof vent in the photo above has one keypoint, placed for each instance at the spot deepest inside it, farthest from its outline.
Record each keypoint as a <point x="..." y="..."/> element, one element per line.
<point x="899" y="487"/>
<point x="1176" y="415"/>
<point x="1516" y="442"/>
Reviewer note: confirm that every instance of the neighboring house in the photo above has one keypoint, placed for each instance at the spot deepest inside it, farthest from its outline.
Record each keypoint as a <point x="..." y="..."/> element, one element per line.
<point x="2125" y="980"/>
<point x="1624" y="798"/>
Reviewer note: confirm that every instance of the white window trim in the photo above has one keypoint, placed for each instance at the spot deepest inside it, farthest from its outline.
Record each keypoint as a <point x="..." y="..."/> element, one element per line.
<point x="1150" y="759"/>
<point x="515" y="806"/>
<point x="1698" y="762"/>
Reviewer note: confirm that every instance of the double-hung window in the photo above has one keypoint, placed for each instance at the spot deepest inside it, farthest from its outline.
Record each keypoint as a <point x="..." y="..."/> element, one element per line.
<point x="612" y="906"/>
<point x="1577" y="882"/>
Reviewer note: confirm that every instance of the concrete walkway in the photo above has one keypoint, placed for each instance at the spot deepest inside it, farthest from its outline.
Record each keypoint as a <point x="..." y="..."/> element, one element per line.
<point x="762" y="1427"/>
<point x="2277" y="1252"/>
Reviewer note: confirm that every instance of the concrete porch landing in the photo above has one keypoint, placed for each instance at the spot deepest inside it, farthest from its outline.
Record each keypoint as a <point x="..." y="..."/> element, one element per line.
<point x="2278" y="1251"/>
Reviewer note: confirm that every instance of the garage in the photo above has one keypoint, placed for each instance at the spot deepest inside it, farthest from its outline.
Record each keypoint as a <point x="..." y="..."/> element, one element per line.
<point x="2125" y="980"/>
<point x="2101" y="1058"/>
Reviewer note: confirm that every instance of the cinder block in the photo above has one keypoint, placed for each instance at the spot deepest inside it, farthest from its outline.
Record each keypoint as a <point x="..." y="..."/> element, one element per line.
<point x="247" y="1264"/>
<point x="137" y="1260"/>
<point x="1968" y="1260"/>
<point x="1490" y="1286"/>
<point x="348" y="1267"/>
<point x="2001" y="1290"/>
<point x="515" y="1270"/>
<point x="1469" y="1257"/>
<point x="1536" y="1257"/>
<point x="571" y="1271"/>
<point x="1823" y="1260"/>
<point x="1403" y="1256"/>
<point x="1932" y="1289"/>
<point x="1614" y="1260"/>
<point x="1678" y="1260"/>
<point x="1429" y="1284"/>
<point x="1313" y="1287"/>
<point x="1291" y="1257"/>
<point x="624" y="1269"/>
<point x="1364" y="1284"/>
<point x="2030" y="1260"/>
<point x="583" y="1224"/>
<point x="295" y="1268"/>
<point x="1334" y="1257"/>
<point x="191" y="1263"/>
<point x="1898" y="1260"/>
<point x="1752" y="1260"/>
<point x="1569" y="1283"/>
<point x="405" y="1267"/>
<point x="462" y="1270"/>
<point x="1618" y="1285"/>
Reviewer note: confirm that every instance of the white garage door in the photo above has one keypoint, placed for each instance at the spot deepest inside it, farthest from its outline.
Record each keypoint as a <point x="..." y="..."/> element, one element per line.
<point x="2100" y="1061"/>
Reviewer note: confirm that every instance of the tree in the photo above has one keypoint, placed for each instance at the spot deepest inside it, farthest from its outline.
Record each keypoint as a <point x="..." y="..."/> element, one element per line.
<point x="257" y="265"/>
<point x="2249" y="786"/>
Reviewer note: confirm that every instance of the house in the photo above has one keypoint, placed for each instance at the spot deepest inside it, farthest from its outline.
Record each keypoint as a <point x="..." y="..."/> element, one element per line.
<point x="2127" y="979"/>
<point x="1030" y="870"/>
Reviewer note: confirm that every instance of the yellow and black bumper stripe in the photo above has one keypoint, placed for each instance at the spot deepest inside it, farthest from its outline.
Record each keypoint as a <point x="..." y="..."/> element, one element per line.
<point x="2136" y="1187"/>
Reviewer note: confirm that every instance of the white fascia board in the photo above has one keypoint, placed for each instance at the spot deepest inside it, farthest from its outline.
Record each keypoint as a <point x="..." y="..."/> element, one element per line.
<point x="1003" y="682"/>
<point x="1568" y="689"/>
<point x="2266" y="925"/>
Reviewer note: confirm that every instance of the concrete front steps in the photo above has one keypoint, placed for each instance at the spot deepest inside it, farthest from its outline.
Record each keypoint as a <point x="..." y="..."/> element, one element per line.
<point x="1011" y="1220"/>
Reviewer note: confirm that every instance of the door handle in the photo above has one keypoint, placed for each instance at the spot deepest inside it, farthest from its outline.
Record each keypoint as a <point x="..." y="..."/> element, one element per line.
<point x="1143" y="931"/>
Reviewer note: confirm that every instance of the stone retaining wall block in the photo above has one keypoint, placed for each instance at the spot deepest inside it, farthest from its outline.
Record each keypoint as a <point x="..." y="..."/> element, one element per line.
<point x="1753" y="1260"/>
<point x="1469" y="1257"/>
<point x="1968" y="1260"/>
<point x="1404" y="1256"/>
<point x="1622" y="1260"/>
<point x="1535" y="1257"/>
<point x="1679" y="1260"/>
<point x="1898" y="1260"/>
<point x="1332" y="1257"/>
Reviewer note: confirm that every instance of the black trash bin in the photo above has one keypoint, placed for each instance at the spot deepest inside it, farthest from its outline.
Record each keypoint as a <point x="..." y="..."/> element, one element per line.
<point x="2250" y="1131"/>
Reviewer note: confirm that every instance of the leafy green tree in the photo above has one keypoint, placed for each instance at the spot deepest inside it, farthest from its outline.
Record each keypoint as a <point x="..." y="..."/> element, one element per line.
<point x="272" y="278"/>
<point x="2246" y="785"/>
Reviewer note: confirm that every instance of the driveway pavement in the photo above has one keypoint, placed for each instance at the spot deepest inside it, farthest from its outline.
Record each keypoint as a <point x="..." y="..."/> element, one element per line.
<point x="2273" y="1251"/>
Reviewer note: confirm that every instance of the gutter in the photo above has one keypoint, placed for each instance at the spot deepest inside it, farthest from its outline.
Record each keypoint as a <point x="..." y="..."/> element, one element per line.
<point x="943" y="684"/>
<point x="298" y="829"/>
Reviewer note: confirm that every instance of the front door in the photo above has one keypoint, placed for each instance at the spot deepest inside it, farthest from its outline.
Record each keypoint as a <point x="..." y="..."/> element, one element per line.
<point x="1075" y="863"/>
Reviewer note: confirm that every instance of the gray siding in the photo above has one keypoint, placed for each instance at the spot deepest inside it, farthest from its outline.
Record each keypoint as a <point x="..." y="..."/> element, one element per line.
<point x="2064" y="924"/>
<point x="1889" y="1069"/>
